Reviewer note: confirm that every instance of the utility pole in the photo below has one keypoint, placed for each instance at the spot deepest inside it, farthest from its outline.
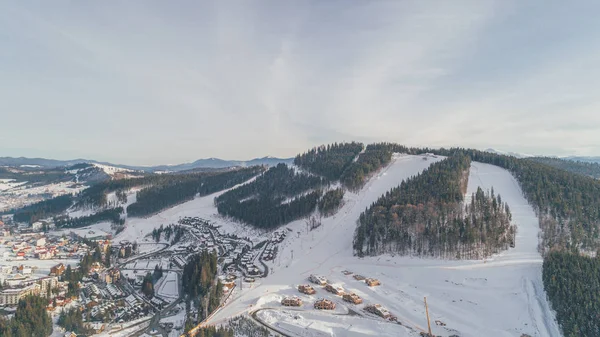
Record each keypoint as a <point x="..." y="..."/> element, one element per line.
<point x="428" y="321"/>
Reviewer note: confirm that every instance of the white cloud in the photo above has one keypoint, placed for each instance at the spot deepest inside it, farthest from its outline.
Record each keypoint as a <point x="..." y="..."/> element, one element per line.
<point x="146" y="82"/>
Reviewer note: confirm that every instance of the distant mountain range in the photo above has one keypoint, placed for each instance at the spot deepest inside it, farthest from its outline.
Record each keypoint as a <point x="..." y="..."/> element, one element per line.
<point x="198" y="164"/>
<point x="584" y="159"/>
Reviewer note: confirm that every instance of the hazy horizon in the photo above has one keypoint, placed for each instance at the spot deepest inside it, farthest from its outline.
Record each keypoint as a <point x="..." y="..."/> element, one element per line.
<point x="150" y="82"/>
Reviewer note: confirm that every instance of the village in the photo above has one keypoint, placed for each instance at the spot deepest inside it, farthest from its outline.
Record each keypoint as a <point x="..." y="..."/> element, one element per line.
<point x="324" y="303"/>
<point x="40" y="260"/>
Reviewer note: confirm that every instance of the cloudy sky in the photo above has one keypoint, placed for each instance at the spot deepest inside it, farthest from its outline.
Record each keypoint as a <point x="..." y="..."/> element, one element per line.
<point x="148" y="82"/>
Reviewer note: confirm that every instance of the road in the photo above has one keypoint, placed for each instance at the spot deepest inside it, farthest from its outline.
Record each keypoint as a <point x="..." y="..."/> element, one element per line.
<point x="254" y="316"/>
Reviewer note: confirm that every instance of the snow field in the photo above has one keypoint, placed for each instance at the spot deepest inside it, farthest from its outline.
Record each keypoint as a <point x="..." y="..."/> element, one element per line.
<point x="203" y="207"/>
<point x="167" y="286"/>
<point x="323" y="323"/>
<point x="502" y="296"/>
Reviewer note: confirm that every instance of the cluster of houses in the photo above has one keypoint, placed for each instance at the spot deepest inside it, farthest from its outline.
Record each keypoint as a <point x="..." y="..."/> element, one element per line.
<point x="27" y="246"/>
<point x="320" y="304"/>
<point x="247" y="263"/>
<point x="270" y="252"/>
<point x="132" y="308"/>
<point x="325" y="304"/>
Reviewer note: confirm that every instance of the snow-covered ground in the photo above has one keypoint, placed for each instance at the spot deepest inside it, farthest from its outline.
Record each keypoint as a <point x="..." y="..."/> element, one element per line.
<point x="322" y="323"/>
<point x="16" y="195"/>
<point x="502" y="296"/>
<point x="99" y="229"/>
<point x="167" y="286"/>
<point x="203" y="207"/>
<point x="178" y="321"/>
<point x="6" y="184"/>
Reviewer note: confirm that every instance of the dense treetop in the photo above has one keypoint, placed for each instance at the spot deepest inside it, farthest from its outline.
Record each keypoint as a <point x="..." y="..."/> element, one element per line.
<point x="181" y="188"/>
<point x="331" y="201"/>
<point x="200" y="284"/>
<point x="31" y="319"/>
<point x="424" y="215"/>
<point x="572" y="283"/>
<point x="567" y="204"/>
<point x="43" y="209"/>
<point x="112" y="215"/>
<point x="329" y="161"/>
<point x="277" y="197"/>
<point x="375" y="157"/>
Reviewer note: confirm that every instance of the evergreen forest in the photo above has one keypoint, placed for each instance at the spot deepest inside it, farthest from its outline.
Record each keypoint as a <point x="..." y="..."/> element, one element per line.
<point x="572" y="283"/>
<point x="185" y="187"/>
<point x="30" y="319"/>
<point x="277" y="197"/>
<point x="425" y="216"/>
<point x="329" y="161"/>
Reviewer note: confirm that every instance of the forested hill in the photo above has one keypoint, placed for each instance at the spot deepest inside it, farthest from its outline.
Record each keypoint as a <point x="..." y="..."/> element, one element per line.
<point x="579" y="167"/>
<point x="567" y="204"/>
<point x="346" y="162"/>
<point x="425" y="216"/>
<point x="277" y="197"/>
<point x="159" y="192"/>
<point x="375" y="157"/>
<point x="158" y="197"/>
<point x="329" y="161"/>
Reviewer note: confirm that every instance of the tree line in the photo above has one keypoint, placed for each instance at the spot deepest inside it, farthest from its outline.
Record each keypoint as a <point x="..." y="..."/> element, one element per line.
<point x="162" y="191"/>
<point x="72" y="320"/>
<point x="572" y="283"/>
<point x="329" y="161"/>
<point x="112" y="215"/>
<point x="277" y="197"/>
<point x="30" y="319"/>
<point x="425" y="216"/>
<point x="567" y="204"/>
<point x="200" y="284"/>
<point x="43" y="209"/>
<point x="375" y="157"/>
<point x="183" y="188"/>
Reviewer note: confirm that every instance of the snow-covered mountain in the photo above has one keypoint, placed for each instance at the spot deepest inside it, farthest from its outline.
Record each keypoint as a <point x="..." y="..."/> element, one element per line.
<point x="200" y="163"/>
<point x="93" y="172"/>
<point x="508" y="153"/>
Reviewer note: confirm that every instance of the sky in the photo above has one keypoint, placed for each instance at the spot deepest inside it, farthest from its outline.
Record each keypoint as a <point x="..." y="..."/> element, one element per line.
<point x="165" y="82"/>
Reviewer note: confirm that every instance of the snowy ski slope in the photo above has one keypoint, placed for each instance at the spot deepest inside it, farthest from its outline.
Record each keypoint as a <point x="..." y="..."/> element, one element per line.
<point x="502" y="296"/>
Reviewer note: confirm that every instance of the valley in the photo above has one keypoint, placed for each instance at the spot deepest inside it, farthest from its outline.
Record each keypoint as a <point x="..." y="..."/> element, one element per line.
<point x="259" y="263"/>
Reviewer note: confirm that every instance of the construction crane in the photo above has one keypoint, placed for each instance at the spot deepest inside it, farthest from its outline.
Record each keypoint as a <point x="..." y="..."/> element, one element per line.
<point x="429" y="334"/>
